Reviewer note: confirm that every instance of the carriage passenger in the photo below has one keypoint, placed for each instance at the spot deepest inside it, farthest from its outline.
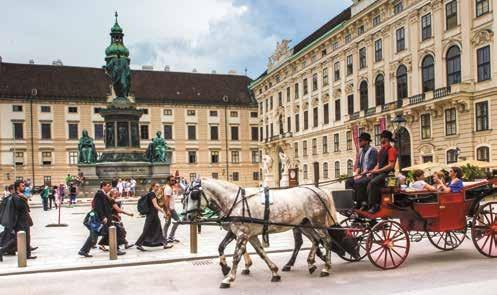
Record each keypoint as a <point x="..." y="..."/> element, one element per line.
<point x="455" y="185"/>
<point x="420" y="184"/>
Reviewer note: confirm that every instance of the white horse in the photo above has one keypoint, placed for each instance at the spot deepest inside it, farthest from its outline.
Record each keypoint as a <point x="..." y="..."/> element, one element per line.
<point x="307" y="206"/>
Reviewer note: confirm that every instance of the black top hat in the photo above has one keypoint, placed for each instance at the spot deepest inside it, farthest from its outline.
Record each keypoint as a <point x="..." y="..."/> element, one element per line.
<point x="387" y="135"/>
<point x="365" y="136"/>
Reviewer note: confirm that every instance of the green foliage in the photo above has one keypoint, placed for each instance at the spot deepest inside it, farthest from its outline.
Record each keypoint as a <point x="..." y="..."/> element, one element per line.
<point x="410" y="177"/>
<point x="470" y="173"/>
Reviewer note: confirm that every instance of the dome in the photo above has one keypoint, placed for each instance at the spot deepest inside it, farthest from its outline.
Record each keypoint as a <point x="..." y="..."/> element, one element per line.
<point x="115" y="49"/>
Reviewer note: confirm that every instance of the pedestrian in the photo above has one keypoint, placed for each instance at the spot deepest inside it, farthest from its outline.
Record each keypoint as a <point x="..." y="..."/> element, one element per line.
<point x="169" y="205"/>
<point x="127" y="187"/>
<point x="44" y="197"/>
<point x="117" y="222"/>
<point x="61" y="193"/>
<point x="133" y="186"/>
<point x="51" y="197"/>
<point x="72" y="194"/>
<point x="22" y="222"/>
<point x="114" y="182"/>
<point x="120" y="187"/>
<point x="152" y="231"/>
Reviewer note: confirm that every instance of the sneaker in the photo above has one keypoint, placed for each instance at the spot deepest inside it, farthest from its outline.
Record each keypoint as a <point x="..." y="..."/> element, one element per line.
<point x="87" y="255"/>
<point x="31" y="257"/>
<point x="172" y="240"/>
<point x="127" y="246"/>
<point x="166" y="246"/>
<point x="120" y="253"/>
<point x="139" y="247"/>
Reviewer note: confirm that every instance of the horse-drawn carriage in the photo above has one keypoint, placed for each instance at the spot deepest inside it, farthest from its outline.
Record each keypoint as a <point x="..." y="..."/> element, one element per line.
<point x="445" y="218"/>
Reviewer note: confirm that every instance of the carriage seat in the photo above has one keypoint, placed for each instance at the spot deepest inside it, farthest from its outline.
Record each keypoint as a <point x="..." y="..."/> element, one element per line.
<point x="343" y="199"/>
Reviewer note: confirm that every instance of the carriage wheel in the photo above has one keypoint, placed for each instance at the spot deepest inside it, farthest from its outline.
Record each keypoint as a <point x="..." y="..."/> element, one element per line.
<point x="388" y="245"/>
<point x="358" y="231"/>
<point x="484" y="230"/>
<point x="448" y="240"/>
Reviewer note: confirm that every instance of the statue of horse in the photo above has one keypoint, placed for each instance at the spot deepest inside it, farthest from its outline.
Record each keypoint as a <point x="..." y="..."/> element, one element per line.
<point x="310" y="207"/>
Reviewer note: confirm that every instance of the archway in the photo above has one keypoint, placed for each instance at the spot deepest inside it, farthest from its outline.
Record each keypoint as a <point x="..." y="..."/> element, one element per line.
<point x="403" y="146"/>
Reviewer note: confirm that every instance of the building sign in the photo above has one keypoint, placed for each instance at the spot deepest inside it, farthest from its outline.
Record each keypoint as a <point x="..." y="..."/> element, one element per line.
<point x="293" y="177"/>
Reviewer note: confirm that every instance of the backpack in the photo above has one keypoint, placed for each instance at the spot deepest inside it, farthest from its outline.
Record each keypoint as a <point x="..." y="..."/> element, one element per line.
<point x="92" y="222"/>
<point x="143" y="204"/>
<point x="7" y="212"/>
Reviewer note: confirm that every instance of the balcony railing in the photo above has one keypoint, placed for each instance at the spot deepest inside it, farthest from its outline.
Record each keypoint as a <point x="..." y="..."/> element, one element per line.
<point x="441" y="92"/>
<point x="370" y="111"/>
<point x="391" y="106"/>
<point x="417" y="99"/>
<point x="355" y="116"/>
<point x="278" y="137"/>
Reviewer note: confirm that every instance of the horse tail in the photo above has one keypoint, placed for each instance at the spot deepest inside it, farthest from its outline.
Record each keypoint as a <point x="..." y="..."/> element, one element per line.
<point x="332" y="212"/>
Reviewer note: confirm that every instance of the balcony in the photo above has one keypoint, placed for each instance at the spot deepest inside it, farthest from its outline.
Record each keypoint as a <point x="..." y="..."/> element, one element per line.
<point x="278" y="137"/>
<point x="417" y="99"/>
<point x="442" y="92"/>
<point x="370" y="112"/>
<point x="355" y="116"/>
<point x="391" y="106"/>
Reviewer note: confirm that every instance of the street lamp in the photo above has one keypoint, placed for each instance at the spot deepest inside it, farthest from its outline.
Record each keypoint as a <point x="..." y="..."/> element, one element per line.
<point x="400" y="122"/>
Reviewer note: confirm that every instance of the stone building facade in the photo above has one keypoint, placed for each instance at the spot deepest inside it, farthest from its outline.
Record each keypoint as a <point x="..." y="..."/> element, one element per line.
<point x="429" y="61"/>
<point x="210" y="120"/>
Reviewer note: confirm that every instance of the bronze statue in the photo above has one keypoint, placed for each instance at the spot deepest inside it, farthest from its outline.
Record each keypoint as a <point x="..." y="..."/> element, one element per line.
<point x="118" y="70"/>
<point x="156" y="151"/>
<point x="86" y="148"/>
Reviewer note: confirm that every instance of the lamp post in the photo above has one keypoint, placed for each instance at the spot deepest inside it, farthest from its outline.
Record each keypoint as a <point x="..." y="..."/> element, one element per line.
<point x="400" y="122"/>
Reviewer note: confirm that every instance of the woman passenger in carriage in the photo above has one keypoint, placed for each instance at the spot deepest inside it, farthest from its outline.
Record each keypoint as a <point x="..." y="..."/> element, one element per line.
<point x="420" y="184"/>
<point x="455" y="185"/>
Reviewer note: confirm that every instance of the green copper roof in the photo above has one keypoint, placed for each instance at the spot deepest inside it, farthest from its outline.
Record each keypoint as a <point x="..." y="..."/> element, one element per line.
<point x="116" y="28"/>
<point x="116" y="46"/>
<point x="117" y="49"/>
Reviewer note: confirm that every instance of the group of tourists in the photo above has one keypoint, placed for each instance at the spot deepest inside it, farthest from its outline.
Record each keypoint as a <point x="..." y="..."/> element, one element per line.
<point x="126" y="187"/>
<point x="440" y="182"/>
<point x="15" y="217"/>
<point x="106" y="211"/>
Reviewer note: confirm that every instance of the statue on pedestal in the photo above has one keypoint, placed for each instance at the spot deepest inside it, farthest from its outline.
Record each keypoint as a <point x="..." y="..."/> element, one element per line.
<point x="285" y="164"/>
<point x="156" y="151"/>
<point x="267" y="164"/>
<point x="86" y="148"/>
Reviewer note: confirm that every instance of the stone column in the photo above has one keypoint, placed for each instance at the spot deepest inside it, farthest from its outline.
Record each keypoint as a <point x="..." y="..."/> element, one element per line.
<point x="467" y="53"/>
<point x="438" y="28"/>
<point x="413" y="46"/>
<point x="387" y="56"/>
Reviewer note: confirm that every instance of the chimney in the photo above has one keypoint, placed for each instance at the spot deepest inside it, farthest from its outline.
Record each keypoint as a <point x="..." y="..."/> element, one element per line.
<point x="147" y="67"/>
<point x="31" y="61"/>
<point x="194" y="70"/>
<point x="232" y="72"/>
<point x="167" y="68"/>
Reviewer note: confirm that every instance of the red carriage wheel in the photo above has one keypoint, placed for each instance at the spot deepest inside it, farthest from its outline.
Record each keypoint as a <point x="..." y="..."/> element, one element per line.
<point x="388" y="245"/>
<point x="359" y="231"/>
<point x="448" y="240"/>
<point x="484" y="230"/>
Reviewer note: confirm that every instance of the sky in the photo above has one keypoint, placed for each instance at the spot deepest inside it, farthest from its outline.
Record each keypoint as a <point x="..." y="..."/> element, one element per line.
<point x="206" y="35"/>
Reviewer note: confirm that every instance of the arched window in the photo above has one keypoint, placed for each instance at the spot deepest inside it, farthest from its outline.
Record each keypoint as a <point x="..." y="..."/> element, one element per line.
<point x="453" y="65"/>
<point x="483" y="154"/>
<point x="379" y="85"/>
<point x="350" y="167"/>
<point x="428" y="73"/>
<point x="401" y="82"/>
<point x="363" y="90"/>
<point x="452" y="156"/>
<point x="337" y="169"/>
<point x="325" y="170"/>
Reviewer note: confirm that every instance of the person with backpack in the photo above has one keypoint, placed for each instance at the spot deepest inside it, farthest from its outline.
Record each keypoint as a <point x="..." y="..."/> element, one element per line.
<point x="152" y="231"/>
<point x="117" y="222"/>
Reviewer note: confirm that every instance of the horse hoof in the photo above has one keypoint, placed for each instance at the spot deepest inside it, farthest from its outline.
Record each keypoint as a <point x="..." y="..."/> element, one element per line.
<point x="275" y="279"/>
<point x="224" y="286"/>
<point x="226" y="269"/>
<point x="286" y="268"/>
<point x="324" y="274"/>
<point x="246" y="272"/>
<point x="312" y="269"/>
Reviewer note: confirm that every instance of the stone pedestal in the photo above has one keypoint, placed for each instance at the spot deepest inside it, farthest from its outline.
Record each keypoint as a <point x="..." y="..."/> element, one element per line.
<point x="268" y="181"/>
<point x="285" y="180"/>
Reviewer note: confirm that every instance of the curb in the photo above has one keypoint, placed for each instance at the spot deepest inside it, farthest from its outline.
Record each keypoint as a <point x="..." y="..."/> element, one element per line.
<point x="130" y="264"/>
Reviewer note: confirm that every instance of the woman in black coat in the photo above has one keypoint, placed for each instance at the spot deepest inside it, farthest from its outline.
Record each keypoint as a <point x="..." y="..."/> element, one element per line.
<point x="152" y="230"/>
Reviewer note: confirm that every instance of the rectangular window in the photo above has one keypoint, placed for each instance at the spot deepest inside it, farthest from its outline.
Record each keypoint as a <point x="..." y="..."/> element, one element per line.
<point x="144" y="132"/>
<point x="398" y="7"/>
<point x="261" y="133"/>
<point x="360" y="30"/>
<point x="168" y="132"/>
<point x="425" y="126"/>
<point x="255" y="157"/>
<point x="348" y="38"/>
<point x="215" y="175"/>
<point x="350" y="104"/>
<point x="289" y="124"/>
<point x="481" y="116"/>
<point x="377" y="135"/>
<point x="235" y="157"/>
<point x="334" y="45"/>
<point x="19" y="158"/>
<point x="337" y="169"/>
<point x="234" y="114"/>
<point x="350" y="65"/>
<point x="304" y="148"/>
<point x="288" y="98"/>
<point x="336" y="142"/>
<point x="482" y="7"/>
<point x="325" y="76"/>
<point x="376" y="20"/>
<point x="336" y="69"/>
<point x="306" y="120"/>
<point x="255" y="175"/>
<point x="325" y="144"/>
<point x="97" y="110"/>
<point x="348" y="137"/>
<point x="46" y="131"/>
<point x="192" y="132"/>
<point x="145" y="111"/>
<point x="271" y="103"/>
<point x="234" y="133"/>
<point x="296" y="90"/>
<point x="315" y="117"/>
<point x="254" y="132"/>
<point x="314" y="146"/>
<point x="401" y="39"/>
<point x="338" y="110"/>
<point x="190" y="112"/>
<point x="326" y="113"/>
<point x="450" y="121"/>
<point x="46" y="158"/>
<point x="99" y="131"/>
<point x="305" y="172"/>
<point x="73" y="158"/>
<point x="73" y="130"/>
<point x="45" y="109"/>
<point x="192" y="157"/>
<point x="451" y="14"/>
<point x="169" y="112"/>
<point x="280" y="99"/>
<point x="72" y="110"/>
<point x="236" y="176"/>
<point x="17" y="108"/>
<point x="426" y="27"/>
<point x="253" y="115"/>
<point x="214" y="132"/>
<point x="214" y="157"/>
<point x="362" y="58"/>
<point x="306" y="87"/>
<point x="483" y="57"/>
<point x="297" y="122"/>
<point x="296" y="149"/>
<point x="378" y="50"/>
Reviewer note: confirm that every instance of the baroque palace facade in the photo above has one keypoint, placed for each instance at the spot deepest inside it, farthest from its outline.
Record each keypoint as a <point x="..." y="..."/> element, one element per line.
<point x="210" y="120"/>
<point x="429" y="61"/>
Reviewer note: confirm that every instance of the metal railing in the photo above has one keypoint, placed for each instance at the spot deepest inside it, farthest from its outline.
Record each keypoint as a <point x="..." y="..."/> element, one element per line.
<point x="370" y="111"/>
<point x="391" y="106"/>
<point x="355" y="116"/>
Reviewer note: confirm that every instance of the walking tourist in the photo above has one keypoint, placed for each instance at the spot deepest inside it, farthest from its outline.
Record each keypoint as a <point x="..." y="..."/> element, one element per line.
<point x="169" y="206"/>
<point x="51" y="197"/>
<point x="120" y="187"/>
<point x="117" y="222"/>
<point x="44" y="197"/>
<point x="152" y="231"/>
<point x="72" y="193"/>
<point x="61" y="193"/>
<point x="133" y="186"/>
